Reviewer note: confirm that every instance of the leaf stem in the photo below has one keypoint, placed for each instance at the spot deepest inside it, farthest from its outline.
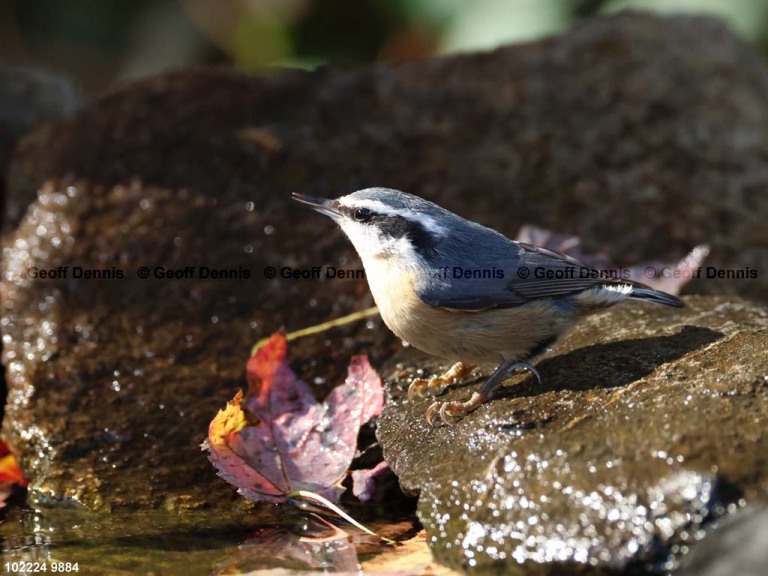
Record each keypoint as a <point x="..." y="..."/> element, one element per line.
<point x="325" y="503"/>
<point x="372" y="311"/>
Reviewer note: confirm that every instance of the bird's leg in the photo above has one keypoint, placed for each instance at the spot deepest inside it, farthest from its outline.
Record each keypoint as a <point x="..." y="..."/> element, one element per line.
<point x="436" y="385"/>
<point x="452" y="411"/>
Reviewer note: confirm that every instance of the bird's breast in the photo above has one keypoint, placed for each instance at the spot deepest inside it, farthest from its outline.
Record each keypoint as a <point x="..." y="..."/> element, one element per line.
<point x="487" y="336"/>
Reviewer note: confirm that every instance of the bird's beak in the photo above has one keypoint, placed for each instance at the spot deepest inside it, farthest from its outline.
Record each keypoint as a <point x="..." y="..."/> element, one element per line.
<point x="322" y="205"/>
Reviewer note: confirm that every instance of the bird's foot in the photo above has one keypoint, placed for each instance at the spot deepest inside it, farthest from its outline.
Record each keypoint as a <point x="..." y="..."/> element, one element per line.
<point x="436" y="385"/>
<point x="451" y="412"/>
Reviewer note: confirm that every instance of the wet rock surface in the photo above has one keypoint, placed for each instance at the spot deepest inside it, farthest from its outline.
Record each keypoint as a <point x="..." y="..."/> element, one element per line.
<point x="29" y="97"/>
<point x="113" y="381"/>
<point x="649" y="422"/>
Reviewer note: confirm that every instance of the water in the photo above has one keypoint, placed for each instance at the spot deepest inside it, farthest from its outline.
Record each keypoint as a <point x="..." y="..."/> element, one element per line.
<point x="189" y="543"/>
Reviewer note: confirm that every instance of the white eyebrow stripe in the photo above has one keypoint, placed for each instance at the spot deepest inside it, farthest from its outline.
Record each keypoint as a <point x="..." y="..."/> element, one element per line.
<point x="374" y="205"/>
<point x="428" y="222"/>
<point x="380" y="208"/>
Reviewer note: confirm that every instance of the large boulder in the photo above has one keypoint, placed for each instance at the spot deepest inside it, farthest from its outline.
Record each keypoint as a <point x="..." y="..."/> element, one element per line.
<point x="643" y="133"/>
<point x="649" y="424"/>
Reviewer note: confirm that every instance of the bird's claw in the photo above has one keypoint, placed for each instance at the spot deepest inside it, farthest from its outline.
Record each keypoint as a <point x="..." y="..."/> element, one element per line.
<point x="451" y="412"/>
<point x="437" y="385"/>
<point x="529" y="367"/>
<point x="421" y="387"/>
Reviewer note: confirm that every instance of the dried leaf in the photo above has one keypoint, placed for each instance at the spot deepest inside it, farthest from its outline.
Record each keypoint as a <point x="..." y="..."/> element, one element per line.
<point x="10" y="474"/>
<point x="9" y="470"/>
<point x="563" y="243"/>
<point x="668" y="277"/>
<point x="364" y="481"/>
<point x="279" y="440"/>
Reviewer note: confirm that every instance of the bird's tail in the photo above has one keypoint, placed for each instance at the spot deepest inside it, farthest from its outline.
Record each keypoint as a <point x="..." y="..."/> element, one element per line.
<point x="646" y="294"/>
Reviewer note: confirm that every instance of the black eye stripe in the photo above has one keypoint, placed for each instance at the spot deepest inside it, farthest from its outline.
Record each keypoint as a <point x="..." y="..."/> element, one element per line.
<point x="395" y="227"/>
<point x="361" y="214"/>
<point x="399" y="227"/>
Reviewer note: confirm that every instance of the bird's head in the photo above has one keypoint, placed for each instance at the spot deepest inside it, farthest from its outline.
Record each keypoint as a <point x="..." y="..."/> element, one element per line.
<point x="388" y="224"/>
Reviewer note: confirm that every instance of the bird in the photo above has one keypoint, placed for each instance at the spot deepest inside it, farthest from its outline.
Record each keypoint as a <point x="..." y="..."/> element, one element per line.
<point x="464" y="292"/>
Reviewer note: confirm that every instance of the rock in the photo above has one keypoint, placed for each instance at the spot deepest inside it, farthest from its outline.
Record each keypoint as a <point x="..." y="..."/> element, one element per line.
<point x="113" y="382"/>
<point x="735" y="546"/>
<point x="645" y="134"/>
<point x="29" y="97"/>
<point x="648" y="423"/>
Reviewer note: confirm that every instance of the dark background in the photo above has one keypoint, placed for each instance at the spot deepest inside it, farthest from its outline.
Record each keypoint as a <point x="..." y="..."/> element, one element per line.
<point x="103" y="42"/>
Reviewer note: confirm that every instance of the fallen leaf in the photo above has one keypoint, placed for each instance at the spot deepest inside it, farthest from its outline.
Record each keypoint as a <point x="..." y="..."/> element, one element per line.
<point x="10" y="474"/>
<point x="364" y="481"/>
<point x="6" y="491"/>
<point x="562" y="243"/>
<point x="668" y="277"/>
<point x="278" y="440"/>
<point x="10" y="471"/>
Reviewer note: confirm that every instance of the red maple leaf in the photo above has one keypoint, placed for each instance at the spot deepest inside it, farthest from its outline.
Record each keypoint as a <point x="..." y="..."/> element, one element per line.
<point x="279" y="440"/>
<point x="9" y="470"/>
<point x="10" y="474"/>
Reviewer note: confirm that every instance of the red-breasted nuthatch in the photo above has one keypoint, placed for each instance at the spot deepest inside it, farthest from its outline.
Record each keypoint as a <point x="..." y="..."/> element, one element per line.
<point x="459" y="290"/>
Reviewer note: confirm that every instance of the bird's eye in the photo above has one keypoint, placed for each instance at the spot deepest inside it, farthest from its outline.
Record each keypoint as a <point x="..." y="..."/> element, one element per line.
<point x="363" y="214"/>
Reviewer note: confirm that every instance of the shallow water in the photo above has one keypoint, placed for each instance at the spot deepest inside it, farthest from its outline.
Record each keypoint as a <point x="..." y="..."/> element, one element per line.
<point x="190" y="543"/>
<point x="150" y="543"/>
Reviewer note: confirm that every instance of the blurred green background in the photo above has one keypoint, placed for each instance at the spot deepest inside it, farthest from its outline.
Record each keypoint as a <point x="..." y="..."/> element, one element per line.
<point x="101" y="42"/>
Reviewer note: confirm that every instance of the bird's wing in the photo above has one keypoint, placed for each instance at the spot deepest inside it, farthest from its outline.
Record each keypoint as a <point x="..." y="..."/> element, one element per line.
<point x="529" y="273"/>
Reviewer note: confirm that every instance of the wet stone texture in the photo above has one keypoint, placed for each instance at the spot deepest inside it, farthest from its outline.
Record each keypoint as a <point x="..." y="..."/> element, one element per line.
<point x="29" y="97"/>
<point x="112" y="383"/>
<point x="649" y="423"/>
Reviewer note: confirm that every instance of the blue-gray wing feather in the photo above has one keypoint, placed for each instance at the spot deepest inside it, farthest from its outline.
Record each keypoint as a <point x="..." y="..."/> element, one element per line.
<point x="503" y="273"/>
